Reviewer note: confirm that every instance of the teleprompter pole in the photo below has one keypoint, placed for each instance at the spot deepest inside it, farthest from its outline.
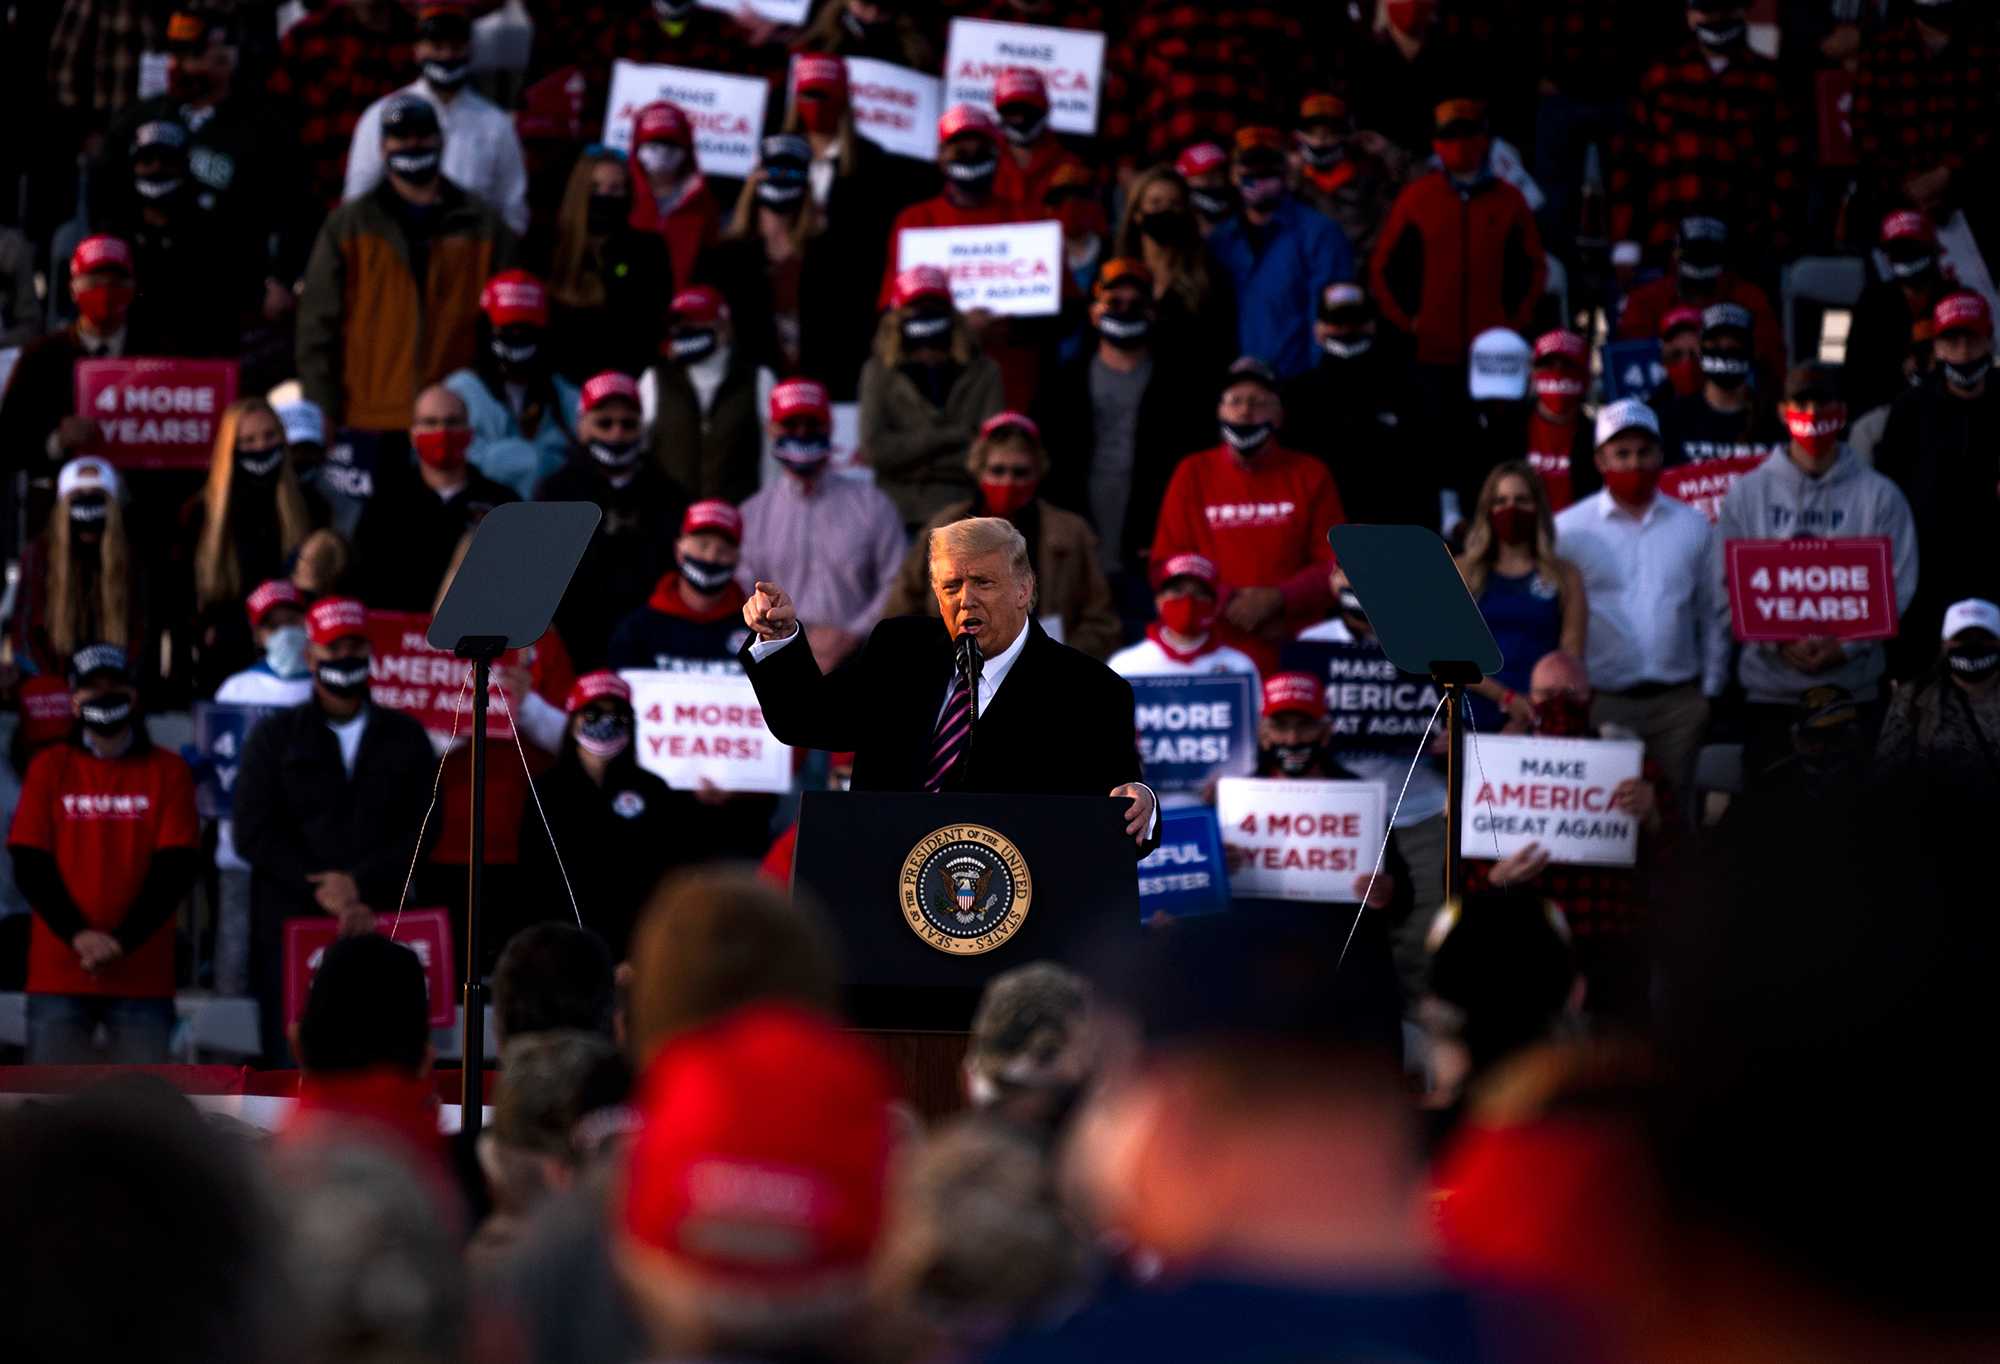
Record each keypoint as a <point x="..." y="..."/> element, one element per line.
<point x="482" y="650"/>
<point x="1454" y="677"/>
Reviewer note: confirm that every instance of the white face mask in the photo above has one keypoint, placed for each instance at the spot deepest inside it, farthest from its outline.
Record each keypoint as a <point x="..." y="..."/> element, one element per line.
<point x="661" y="158"/>
<point x="285" y="651"/>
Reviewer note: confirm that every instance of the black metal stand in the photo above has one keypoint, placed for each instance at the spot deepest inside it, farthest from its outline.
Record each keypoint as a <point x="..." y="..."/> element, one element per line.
<point x="481" y="650"/>
<point x="1454" y="678"/>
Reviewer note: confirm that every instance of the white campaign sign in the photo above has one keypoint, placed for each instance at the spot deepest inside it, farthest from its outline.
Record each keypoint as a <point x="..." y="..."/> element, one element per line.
<point x="1015" y="269"/>
<point x="1555" y="792"/>
<point x="1070" y="60"/>
<point x="1299" y="840"/>
<point x="777" y="11"/>
<point x="727" y="112"/>
<point x="696" y="725"/>
<point x="894" y="107"/>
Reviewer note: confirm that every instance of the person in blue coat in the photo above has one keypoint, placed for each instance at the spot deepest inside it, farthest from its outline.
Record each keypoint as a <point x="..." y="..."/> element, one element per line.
<point x="520" y="408"/>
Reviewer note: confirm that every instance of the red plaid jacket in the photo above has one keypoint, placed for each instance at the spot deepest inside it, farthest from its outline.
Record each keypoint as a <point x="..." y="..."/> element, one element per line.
<point x="330" y="68"/>
<point x="592" y="36"/>
<point x="1597" y="49"/>
<point x="1914" y="112"/>
<point x="1184" y="72"/>
<point x="1702" y="142"/>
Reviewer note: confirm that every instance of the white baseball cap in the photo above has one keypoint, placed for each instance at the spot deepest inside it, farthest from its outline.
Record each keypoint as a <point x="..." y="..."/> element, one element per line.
<point x="1627" y="414"/>
<point x="88" y="473"/>
<point x="303" y="421"/>
<point x="1500" y="363"/>
<point x="1974" y="613"/>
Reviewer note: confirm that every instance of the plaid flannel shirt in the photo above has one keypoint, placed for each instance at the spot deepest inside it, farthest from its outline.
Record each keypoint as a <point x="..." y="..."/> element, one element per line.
<point x="1914" y="112"/>
<point x="94" y="55"/>
<point x="330" y="68"/>
<point x="593" y="36"/>
<point x="1186" y="72"/>
<point x="1597" y="49"/>
<point x="1701" y="141"/>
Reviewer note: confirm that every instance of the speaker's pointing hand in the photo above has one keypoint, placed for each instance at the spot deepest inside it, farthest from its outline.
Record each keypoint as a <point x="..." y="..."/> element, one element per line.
<point x="770" y="612"/>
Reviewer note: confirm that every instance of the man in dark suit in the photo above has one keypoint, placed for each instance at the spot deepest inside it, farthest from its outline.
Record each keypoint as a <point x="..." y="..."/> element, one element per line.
<point x="1048" y="720"/>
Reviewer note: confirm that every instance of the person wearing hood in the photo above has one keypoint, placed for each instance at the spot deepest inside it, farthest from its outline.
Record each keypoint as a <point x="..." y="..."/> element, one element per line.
<point x="699" y="399"/>
<point x="969" y="146"/>
<point x="1726" y="418"/>
<point x="519" y="408"/>
<point x="1352" y="411"/>
<point x="1818" y="489"/>
<point x="1350" y="174"/>
<point x="482" y="149"/>
<point x="669" y="196"/>
<point x="1700" y="275"/>
<point x="841" y="539"/>
<point x="642" y="508"/>
<point x="1181" y="639"/>
<point x="693" y="622"/>
<point x="105" y="842"/>
<point x="1877" y="368"/>
<point x="1033" y="154"/>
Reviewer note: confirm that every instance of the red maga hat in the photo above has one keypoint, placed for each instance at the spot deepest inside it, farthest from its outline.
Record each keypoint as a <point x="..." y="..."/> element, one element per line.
<point x="1020" y="85"/>
<point x="102" y="252"/>
<point x="514" y="297"/>
<point x="967" y="118"/>
<point x="269" y="597"/>
<point x="1203" y="158"/>
<point x="1300" y="692"/>
<point x="713" y="514"/>
<point x="606" y="386"/>
<point x="595" y="686"/>
<point x="1566" y="345"/>
<point x="661" y="121"/>
<point x="818" y="71"/>
<point x="698" y="305"/>
<point x="1197" y="566"/>
<point x="800" y="398"/>
<point x="1002" y="421"/>
<point x="920" y="281"/>
<point x="1963" y="311"/>
<point x="333" y="618"/>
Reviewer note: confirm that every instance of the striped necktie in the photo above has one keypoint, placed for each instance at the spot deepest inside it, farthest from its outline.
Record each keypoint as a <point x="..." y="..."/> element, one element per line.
<point x="954" y="727"/>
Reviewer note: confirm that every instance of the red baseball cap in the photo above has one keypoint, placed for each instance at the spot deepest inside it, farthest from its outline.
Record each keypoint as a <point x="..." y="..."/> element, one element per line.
<point x="1299" y="692"/>
<point x="102" y="252"/>
<point x="967" y="118"/>
<point x="763" y="1153"/>
<point x="1679" y="319"/>
<point x="333" y="618"/>
<point x="1563" y="344"/>
<point x="1187" y="566"/>
<point x="513" y="297"/>
<point x="592" y="686"/>
<point x="661" y="121"/>
<point x="1908" y="225"/>
<point x="1001" y="421"/>
<point x="698" y="304"/>
<point x="713" y="514"/>
<point x="1020" y="85"/>
<point x="1203" y="158"/>
<point x="268" y="597"/>
<point x="920" y="281"/>
<point x="1963" y="311"/>
<point x="606" y="386"/>
<point x="800" y="398"/>
<point x="819" y="71"/>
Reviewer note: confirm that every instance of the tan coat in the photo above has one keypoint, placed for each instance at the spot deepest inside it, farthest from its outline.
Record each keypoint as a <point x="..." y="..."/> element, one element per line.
<point x="917" y="450"/>
<point x="1069" y="584"/>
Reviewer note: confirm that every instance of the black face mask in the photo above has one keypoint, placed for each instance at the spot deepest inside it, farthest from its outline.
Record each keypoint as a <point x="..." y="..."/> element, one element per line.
<point x="783" y="188"/>
<point x="418" y="167"/>
<point x="157" y="187"/>
<point x="805" y="455"/>
<point x="973" y="177"/>
<point x="1322" y="158"/>
<point x="1171" y="227"/>
<point x="1022" y="126"/>
<point x="1727" y="370"/>
<point x="615" y="455"/>
<point x="1968" y="375"/>
<point x="1698" y="268"/>
<point x="1213" y="204"/>
<point x="1973" y="662"/>
<point x="343" y="676"/>
<point x="1723" y="33"/>
<point x="1352" y="346"/>
<point x="1126" y="331"/>
<point x="705" y="575"/>
<point x="107" y="714"/>
<point x="518" y="349"/>
<point x="605" y="212"/>
<point x="693" y="344"/>
<point x="88" y="511"/>
<point x="260" y="464"/>
<point x="1907" y="265"/>
<point x="1294" y="760"/>
<point x="1246" y="437"/>
<point x="921" y="330"/>
<point x="447" y="76"/>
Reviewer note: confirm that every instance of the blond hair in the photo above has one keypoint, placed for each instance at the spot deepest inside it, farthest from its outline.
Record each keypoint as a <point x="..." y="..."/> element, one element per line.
<point x="218" y="573"/>
<point x="1187" y="273"/>
<point x="980" y="535"/>
<point x="1481" y="548"/>
<point x="74" y="618"/>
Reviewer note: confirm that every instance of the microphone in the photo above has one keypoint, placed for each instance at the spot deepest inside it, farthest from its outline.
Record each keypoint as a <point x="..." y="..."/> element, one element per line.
<point x="970" y="663"/>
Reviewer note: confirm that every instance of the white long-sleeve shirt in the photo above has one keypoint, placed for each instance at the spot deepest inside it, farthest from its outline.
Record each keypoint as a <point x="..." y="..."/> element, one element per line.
<point x="482" y="152"/>
<point x="1649" y="580"/>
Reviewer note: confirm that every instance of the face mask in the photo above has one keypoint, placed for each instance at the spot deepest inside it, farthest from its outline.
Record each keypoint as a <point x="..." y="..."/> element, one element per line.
<point x="661" y="158"/>
<point x="973" y="177"/>
<point x="260" y="463"/>
<point x="343" y="676"/>
<point x="1512" y="525"/>
<point x="1727" y="370"/>
<point x="447" y="76"/>
<point x="1189" y="617"/>
<point x="419" y="168"/>
<point x="156" y="186"/>
<point x="1720" y="37"/>
<point x="89" y="510"/>
<point x="922" y="330"/>
<point x="1004" y="499"/>
<point x="605" y="212"/>
<point x="443" y="448"/>
<point x="1171" y="227"/>
<point x="821" y="115"/>
<point x="515" y="352"/>
<point x="1911" y="267"/>
<point x="603" y="736"/>
<point x="803" y="454"/>
<point x="1698" y="270"/>
<point x="694" y="344"/>
<point x="1973" y="662"/>
<point x="1350" y="347"/>
<point x="615" y="454"/>
<point x="1213" y="204"/>
<point x="1561" y="394"/>
<point x="1460" y="155"/>
<point x="1347" y="605"/>
<point x="1818" y="434"/>
<point x="1968" y="375"/>
<point x="1685" y="375"/>
<point x="1261" y="192"/>
<point x="1294" y="760"/>
<point x="1563" y="715"/>
<point x="105" y="305"/>
<point x="705" y="575"/>
<point x="1245" y="437"/>
<point x="784" y="191"/>
<point x="1024" y="128"/>
<point x="1634" y="487"/>
<point x="1322" y="156"/>
<point x="107" y="714"/>
<point x="1127" y="331"/>
<point x="285" y="651"/>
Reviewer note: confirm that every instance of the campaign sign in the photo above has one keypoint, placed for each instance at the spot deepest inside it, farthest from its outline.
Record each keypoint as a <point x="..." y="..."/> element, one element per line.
<point x="220" y="730"/>
<point x="155" y="414"/>
<point x="1071" y="62"/>
<point x="1299" y="840"/>
<point x="706" y="725"/>
<point x="1185" y="875"/>
<point x="727" y="112"/>
<point x="423" y="931"/>
<point x="1703" y="484"/>
<point x="1783" y="590"/>
<point x="777" y="11"/>
<point x="1632" y="369"/>
<point x="405" y="673"/>
<point x="1014" y="269"/>
<point x="1194" y="728"/>
<point x="1555" y="792"/>
<point x="1375" y="705"/>
<point x="894" y="107"/>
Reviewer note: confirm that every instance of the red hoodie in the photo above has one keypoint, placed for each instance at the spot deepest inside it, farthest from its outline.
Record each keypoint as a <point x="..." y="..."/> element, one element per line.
<point x="688" y="227"/>
<point x="941" y="212"/>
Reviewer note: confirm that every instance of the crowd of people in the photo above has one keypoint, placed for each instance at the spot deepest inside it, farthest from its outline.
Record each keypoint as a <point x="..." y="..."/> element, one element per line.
<point x="1524" y="272"/>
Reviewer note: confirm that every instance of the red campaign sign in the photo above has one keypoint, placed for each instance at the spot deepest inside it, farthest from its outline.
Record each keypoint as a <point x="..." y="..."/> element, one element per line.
<point x="155" y="414"/>
<point x="405" y="673"/>
<point x="1704" y="483"/>
<point x="1782" y="590"/>
<point x="423" y="931"/>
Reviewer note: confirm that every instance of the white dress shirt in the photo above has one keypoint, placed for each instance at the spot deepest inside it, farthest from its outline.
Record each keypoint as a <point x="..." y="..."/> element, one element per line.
<point x="1650" y="584"/>
<point x="482" y="152"/>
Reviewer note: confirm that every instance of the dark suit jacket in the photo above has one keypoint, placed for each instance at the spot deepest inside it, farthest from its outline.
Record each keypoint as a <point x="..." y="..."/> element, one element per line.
<point x="1061" y="723"/>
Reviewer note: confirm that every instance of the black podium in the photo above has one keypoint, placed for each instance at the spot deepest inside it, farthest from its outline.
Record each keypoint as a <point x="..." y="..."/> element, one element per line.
<point x="934" y="895"/>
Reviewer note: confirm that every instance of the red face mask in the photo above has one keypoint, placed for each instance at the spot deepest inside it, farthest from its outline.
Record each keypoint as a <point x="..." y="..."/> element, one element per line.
<point x="442" y="448"/>
<point x="1634" y="487"/>
<point x="1561" y="394"/>
<point x="1188" y="617"/>
<point x="1817" y="433"/>
<point x="821" y="115"/>
<point x="1685" y="375"/>
<point x="105" y="305"/>
<point x="1512" y="525"/>
<point x="1006" y="498"/>
<point x="1462" y="155"/>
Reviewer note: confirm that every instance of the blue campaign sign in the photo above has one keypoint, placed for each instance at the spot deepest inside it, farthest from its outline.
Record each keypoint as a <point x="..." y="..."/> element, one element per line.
<point x="219" y="732"/>
<point x="1185" y="875"/>
<point x="1194" y="728"/>
<point x="1375" y="706"/>
<point x="1632" y="369"/>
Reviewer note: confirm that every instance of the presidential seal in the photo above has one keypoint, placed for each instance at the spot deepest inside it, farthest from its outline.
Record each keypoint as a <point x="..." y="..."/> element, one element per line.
<point x="965" y="889"/>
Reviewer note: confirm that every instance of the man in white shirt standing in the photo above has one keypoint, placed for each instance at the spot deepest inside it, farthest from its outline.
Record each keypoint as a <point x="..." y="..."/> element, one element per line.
<point x="482" y="151"/>
<point x="1658" y="651"/>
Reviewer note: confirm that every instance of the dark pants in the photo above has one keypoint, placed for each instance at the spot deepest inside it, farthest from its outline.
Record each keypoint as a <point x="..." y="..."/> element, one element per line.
<point x="1565" y="129"/>
<point x="62" y="1030"/>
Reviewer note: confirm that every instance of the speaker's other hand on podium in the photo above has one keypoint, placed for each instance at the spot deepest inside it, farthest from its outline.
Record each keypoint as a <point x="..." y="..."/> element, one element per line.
<point x="1138" y="814"/>
<point x="770" y="613"/>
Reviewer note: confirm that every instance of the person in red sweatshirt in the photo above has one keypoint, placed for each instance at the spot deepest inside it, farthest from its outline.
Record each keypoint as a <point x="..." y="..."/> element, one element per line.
<point x="1260" y="513"/>
<point x="1561" y="445"/>
<point x="1032" y="157"/>
<point x="668" y="194"/>
<point x="694" y="620"/>
<point x="969" y="156"/>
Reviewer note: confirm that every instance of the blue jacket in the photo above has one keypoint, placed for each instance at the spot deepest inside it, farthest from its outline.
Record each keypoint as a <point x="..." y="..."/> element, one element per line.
<point x="1278" y="287"/>
<point x="499" y="450"/>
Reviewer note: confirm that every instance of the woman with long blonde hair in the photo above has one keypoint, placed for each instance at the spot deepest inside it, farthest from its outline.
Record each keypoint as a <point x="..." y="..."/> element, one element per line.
<point x="766" y="253"/>
<point x="593" y="326"/>
<point x="76" y="577"/>
<point x="1159" y="227"/>
<point x="1532" y="598"/>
